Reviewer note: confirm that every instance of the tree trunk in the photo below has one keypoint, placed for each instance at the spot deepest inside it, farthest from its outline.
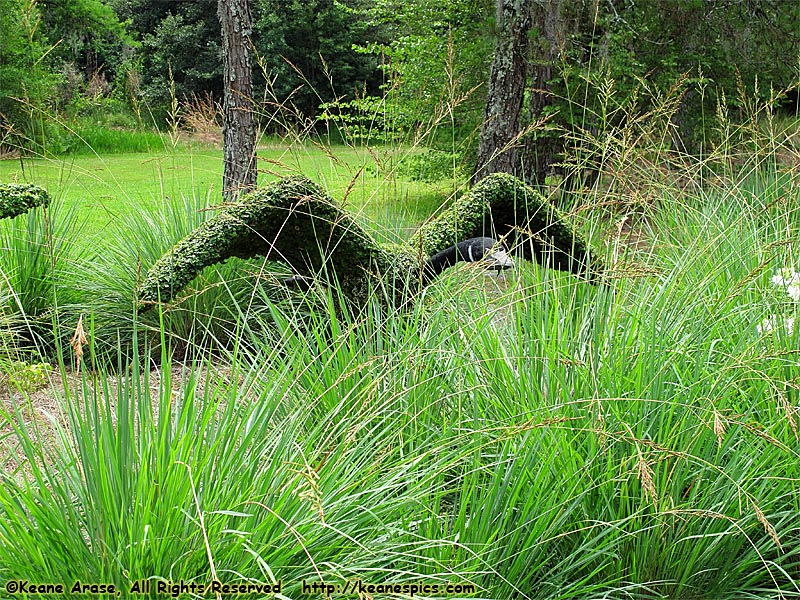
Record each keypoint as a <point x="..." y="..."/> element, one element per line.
<point x="542" y="149"/>
<point x="239" y="125"/>
<point x="500" y="134"/>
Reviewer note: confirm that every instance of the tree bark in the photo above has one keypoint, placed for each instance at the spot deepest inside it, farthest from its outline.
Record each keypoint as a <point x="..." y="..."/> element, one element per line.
<point x="239" y="124"/>
<point x="542" y="149"/>
<point x="500" y="134"/>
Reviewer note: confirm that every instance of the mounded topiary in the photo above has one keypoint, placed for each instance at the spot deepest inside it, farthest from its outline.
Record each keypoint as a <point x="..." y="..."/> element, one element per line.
<point x="294" y="221"/>
<point x="19" y="198"/>
<point x="505" y="207"/>
<point x="291" y="220"/>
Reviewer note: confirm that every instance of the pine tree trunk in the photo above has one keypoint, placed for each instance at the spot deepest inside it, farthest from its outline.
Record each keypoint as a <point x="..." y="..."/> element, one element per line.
<point x="542" y="150"/>
<point x="499" y="139"/>
<point x="239" y="127"/>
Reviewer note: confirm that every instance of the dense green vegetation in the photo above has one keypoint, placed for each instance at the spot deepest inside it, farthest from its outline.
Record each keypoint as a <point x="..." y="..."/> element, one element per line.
<point x="412" y="70"/>
<point x="532" y="435"/>
<point x="536" y="436"/>
<point x="540" y="438"/>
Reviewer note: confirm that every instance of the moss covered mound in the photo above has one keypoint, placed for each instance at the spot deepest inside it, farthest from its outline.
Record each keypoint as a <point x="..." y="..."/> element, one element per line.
<point x="19" y="198"/>
<point x="294" y="221"/>
<point x="502" y="206"/>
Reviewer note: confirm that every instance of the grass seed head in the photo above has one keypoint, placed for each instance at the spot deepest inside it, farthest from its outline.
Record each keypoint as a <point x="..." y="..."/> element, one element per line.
<point x="77" y="342"/>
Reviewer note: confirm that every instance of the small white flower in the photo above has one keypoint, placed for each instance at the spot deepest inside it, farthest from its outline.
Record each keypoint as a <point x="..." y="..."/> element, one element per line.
<point x="786" y="277"/>
<point x="766" y="326"/>
<point x="770" y="324"/>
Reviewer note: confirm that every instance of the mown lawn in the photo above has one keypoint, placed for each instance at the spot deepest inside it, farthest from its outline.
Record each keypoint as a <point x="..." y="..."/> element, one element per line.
<point x="103" y="187"/>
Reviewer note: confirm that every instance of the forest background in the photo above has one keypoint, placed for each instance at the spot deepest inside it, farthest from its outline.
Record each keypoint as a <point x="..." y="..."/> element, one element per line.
<point x="68" y="67"/>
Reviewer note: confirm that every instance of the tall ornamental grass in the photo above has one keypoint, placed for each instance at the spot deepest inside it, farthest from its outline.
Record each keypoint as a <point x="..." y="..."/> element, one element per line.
<point x="206" y="311"/>
<point x="531" y="436"/>
<point x="535" y="437"/>
<point x="38" y="251"/>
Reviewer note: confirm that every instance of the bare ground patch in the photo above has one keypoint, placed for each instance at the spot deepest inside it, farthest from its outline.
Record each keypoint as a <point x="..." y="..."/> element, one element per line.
<point x="43" y="413"/>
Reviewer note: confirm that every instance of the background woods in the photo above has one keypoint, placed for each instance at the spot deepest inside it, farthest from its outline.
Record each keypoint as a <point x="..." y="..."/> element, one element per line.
<point x="391" y="363"/>
<point x="534" y="68"/>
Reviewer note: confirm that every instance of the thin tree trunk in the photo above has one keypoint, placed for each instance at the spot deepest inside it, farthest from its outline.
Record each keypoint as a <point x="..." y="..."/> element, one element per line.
<point x="499" y="139"/>
<point x="239" y="125"/>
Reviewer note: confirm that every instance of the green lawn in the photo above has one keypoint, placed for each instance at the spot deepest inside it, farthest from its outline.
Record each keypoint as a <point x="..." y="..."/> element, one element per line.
<point x="106" y="186"/>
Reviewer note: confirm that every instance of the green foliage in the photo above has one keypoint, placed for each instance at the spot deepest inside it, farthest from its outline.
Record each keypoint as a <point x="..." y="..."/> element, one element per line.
<point x="710" y="53"/>
<point x="435" y="57"/>
<point x="93" y="38"/>
<point x="88" y="138"/>
<point x="429" y="58"/>
<point x="543" y="440"/>
<point x="27" y="80"/>
<point x="535" y="436"/>
<point x="24" y="376"/>
<point x="180" y="49"/>
<point x="19" y="198"/>
<point x="430" y="165"/>
<point x="37" y="254"/>
<point x="604" y="65"/>
<point x="290" y="219"/>
<point x="364" y="121"/>
<point x="305" y="49"/>
<point x="58" y="62"/>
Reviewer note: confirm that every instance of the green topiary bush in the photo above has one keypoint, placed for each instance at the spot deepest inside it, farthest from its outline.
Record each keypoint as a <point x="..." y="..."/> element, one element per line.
<point x="294" y="221"/>
<point x="19" y="198"/>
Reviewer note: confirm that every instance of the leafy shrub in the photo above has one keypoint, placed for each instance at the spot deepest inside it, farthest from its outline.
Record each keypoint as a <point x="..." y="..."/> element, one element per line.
<point x="19" y="198"/>
<point x="27" y="85"/>
<point x="26" y="376"/>
<point x="430" y="166"/>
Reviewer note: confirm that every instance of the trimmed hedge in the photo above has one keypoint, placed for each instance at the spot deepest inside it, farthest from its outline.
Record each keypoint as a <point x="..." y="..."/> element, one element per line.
<point x="19" y="198"/>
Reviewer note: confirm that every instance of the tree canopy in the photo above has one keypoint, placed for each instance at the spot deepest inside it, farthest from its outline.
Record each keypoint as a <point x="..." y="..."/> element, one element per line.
<point x="417" y="55"/>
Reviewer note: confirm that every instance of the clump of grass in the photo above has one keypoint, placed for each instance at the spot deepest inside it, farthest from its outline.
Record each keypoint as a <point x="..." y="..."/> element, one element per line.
<point x="430" y="165"/>
<point x="37" y="253"/>
<point x="202" y="117"/>
<point x="207" y="309"/>
<point x="24" y="376"/>
<point x="538" y="441"/>
<point x="89" y="138"/>
<point x="177" y="464"/>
